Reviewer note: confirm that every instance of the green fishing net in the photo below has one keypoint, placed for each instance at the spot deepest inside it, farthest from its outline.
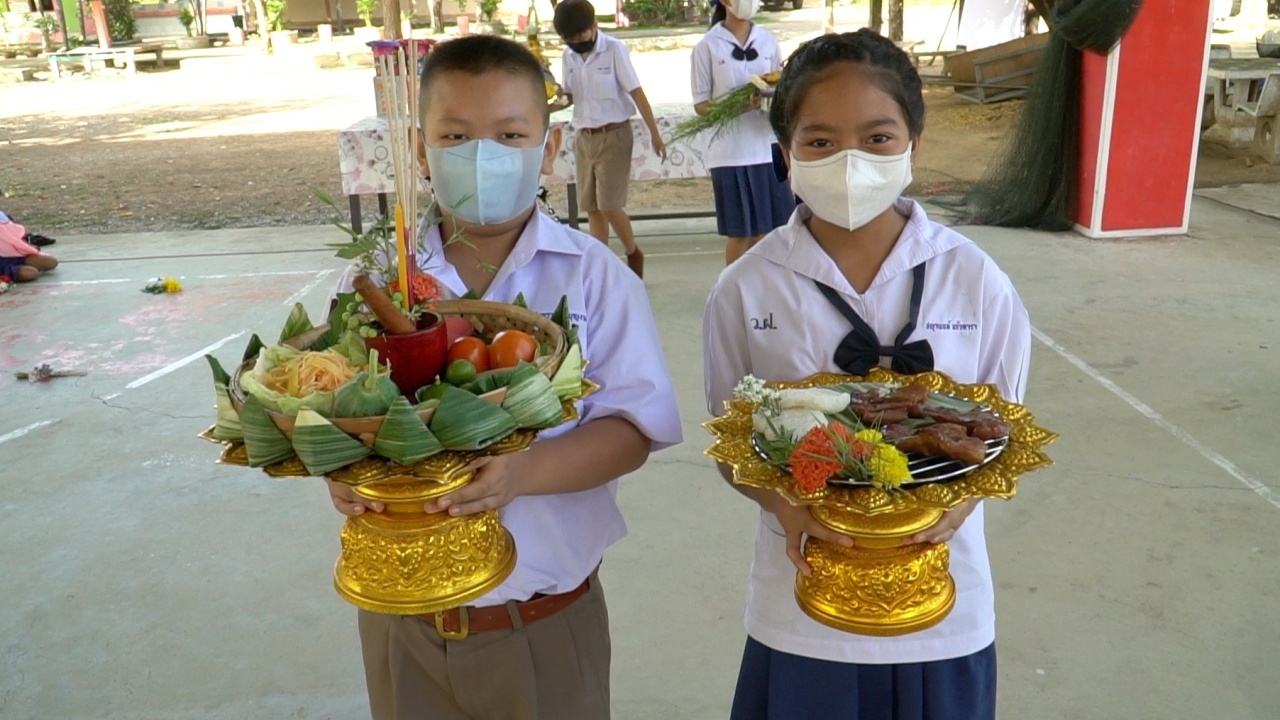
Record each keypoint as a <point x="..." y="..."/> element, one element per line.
<point x="1033" y="182"/>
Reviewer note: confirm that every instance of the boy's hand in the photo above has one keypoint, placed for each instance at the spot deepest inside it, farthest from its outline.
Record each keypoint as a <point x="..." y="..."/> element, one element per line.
<point x="798" y="522"/>
<point x="494" y="486"/>
<point x="947" y="526"/>
<point x="659" y="146"/>
<point x="347" y="502"/>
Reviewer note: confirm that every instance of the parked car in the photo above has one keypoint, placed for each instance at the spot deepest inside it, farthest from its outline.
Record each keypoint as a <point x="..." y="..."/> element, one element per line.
<point x="780" y="4"/>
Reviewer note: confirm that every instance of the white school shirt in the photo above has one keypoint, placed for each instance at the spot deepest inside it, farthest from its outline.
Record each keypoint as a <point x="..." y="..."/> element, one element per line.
<point x="600" y="82"/>
<point x="716" y="73"/>
<point x="560" y="539"/>
<point x="766" y="317"/>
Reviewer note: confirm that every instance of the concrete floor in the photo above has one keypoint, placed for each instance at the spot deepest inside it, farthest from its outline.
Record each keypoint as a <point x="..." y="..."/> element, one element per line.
<point x="1136" y="578"/>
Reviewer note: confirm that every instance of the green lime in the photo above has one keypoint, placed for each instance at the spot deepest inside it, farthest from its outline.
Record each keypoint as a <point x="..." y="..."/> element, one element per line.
<point x="460" y="372"/>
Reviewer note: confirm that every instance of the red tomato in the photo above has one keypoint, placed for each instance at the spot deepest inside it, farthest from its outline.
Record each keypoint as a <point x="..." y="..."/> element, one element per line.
<point x="509" y="347"/>
<point x="471" y="349"/>
<point x="458" y="328"/>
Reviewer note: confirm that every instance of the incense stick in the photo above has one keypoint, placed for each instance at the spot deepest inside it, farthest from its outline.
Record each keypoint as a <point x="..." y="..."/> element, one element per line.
<point x="398" y="71"/>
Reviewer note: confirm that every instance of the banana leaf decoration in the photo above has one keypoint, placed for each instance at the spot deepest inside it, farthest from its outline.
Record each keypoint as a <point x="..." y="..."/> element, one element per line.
<point x="403" y="436"/>
<point x="322" y="447"/>
<point x="263" y="441"/>
<point x="532" y="400"/>
<point x="228" y="427"/>
<point x="463" y="421"/>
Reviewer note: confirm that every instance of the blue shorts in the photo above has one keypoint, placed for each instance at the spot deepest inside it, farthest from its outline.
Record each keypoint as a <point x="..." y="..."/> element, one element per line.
<point x="9" y="266"/>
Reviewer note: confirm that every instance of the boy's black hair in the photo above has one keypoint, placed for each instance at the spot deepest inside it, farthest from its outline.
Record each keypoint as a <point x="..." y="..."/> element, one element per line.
<point x="890" y="67"/>
<point x="477" y="54"/>
<point x="573" y="17"/>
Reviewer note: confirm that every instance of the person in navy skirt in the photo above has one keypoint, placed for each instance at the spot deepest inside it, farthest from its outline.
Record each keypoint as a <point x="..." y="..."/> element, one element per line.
<point x="858" y="258"/>
<point x="750" y="198"/>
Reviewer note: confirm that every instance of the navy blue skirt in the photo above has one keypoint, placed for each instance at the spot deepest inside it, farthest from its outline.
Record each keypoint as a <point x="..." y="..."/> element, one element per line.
<point x="750" y="200"/>
<point x="775" y="685"/>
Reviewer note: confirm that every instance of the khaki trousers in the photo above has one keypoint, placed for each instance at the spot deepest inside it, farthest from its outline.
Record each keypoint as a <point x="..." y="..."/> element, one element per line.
<point x="603" y="165"/>
<point x="554" y="669"/>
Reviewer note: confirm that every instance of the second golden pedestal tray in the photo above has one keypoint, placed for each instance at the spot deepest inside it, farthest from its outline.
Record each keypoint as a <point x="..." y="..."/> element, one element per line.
<point x="882" y="586"/>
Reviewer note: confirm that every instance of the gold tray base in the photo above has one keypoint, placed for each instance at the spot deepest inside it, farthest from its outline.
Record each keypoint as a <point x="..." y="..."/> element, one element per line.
<point x="406" y="562"/>
<point x="877" y="591"/>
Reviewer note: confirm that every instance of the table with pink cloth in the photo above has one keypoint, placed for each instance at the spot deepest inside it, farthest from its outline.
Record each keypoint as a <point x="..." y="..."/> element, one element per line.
<point x="364" y="158"/>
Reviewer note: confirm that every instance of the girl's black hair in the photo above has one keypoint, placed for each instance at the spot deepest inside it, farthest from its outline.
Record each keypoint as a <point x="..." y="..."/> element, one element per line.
<point x="718" y="12"/>
<point x="891" y="68"/>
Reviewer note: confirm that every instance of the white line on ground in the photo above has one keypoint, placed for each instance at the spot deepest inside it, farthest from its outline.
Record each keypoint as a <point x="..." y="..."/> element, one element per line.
<point x="24" y="430"/>
<point x="181" y="363"/>
<point x="1187" y="438"/>
<point x="308" y="287"/>
<point x="107" y="281"/>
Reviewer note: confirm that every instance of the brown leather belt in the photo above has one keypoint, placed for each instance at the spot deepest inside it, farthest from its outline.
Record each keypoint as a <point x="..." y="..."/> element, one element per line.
<point x="604" y="128"/>
<point x="458" y="623"/>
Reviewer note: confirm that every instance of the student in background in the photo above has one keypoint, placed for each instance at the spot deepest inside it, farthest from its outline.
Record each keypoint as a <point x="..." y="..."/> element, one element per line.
<point x="20" y="260"/>
<point x="601" y="85"/>
<point x="750" y="198"/>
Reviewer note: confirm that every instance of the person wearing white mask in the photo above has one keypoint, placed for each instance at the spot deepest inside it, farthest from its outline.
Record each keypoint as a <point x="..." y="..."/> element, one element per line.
<point x="537" y="646"/>
<point x="860" y="277"/>
<point x="750" y="199"/>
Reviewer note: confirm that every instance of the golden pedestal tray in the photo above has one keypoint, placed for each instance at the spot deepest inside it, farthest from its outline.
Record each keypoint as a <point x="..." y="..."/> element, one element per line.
<point x="404" y="561"/>
<point x="881" y="586"/>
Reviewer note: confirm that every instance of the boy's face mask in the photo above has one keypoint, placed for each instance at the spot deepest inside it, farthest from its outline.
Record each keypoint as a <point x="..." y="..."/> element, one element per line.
<point x="583" y="47"/>
<point x="484" y="182"/>
<point x="851" y="188"/>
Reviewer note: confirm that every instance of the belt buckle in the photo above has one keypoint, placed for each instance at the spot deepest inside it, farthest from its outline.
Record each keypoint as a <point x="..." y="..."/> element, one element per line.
<point x="464" y="626"/>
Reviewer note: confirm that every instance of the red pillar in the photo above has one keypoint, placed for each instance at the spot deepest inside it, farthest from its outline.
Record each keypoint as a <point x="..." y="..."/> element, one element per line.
<point x="1141" y="123"/>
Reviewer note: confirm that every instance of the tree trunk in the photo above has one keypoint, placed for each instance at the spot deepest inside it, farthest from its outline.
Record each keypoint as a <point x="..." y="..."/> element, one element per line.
<point x="829" y="20"/>
<point x="391" y="19"/>
<point x="895" y="20"/>
<point x="62" y="23"/>
<point x="877" y="13"/>
<point x="437" y="16"/>
<point x="260" y="22"/>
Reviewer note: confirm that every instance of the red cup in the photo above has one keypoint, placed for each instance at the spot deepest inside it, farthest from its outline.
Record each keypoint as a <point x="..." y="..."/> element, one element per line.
<point x="417" y="358"/>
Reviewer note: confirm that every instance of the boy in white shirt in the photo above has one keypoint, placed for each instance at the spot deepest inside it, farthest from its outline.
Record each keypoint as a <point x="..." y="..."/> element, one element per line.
<point x="538" y="646"/>
<point x="603" y="89"/>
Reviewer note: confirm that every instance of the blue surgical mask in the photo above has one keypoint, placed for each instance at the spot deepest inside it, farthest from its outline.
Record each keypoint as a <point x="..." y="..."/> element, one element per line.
<point x="484" y="182"/>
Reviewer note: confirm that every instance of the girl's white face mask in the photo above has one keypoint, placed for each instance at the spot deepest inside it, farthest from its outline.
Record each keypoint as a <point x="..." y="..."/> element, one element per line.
<point x="853" y="187"/>
<point x="744" y="9"/>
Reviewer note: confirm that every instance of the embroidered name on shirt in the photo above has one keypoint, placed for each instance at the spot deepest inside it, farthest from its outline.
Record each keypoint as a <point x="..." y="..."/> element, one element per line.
<point x="951" y="325"/>
<point x="765" y="323"/>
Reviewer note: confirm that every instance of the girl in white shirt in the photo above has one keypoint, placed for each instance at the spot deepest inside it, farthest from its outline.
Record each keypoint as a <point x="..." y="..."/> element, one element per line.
<point x="849" y="114"/>
<point x="750" y="199"/>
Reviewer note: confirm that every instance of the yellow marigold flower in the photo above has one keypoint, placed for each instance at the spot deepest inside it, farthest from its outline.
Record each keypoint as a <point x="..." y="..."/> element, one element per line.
<point x="172" y="286"/>
<point x="870" y="436"/>
<point x="888" y="467"/>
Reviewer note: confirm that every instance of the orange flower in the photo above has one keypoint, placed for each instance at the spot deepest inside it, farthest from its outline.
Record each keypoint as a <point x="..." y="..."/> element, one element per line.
<point x="425" y="288"/>
<point x="814" y="459"/>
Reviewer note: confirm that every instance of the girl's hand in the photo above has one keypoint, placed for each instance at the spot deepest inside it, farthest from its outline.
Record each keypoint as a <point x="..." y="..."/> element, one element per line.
<point x="347" y="502"/>
<point x="947" y="526"/>
<point x="494" y="486"/>
<point x="798" y="523"/>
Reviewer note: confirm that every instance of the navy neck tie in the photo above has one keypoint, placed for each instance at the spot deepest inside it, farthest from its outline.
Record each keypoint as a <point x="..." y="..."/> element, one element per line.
<point x="861" y="350"/>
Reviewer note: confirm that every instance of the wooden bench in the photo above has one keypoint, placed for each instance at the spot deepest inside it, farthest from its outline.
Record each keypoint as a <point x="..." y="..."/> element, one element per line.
<point x="87" y="57"/>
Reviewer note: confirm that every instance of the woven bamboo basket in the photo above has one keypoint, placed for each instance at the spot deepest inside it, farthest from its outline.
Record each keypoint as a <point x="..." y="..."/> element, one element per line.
<point x="486" y="318"/>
